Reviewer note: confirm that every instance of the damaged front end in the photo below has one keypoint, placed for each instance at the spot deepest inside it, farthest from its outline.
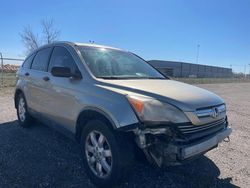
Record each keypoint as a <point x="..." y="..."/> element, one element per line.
<point x="156" y="145"/>
<point x="169" y="135"/>
<point x="169" y="145"/>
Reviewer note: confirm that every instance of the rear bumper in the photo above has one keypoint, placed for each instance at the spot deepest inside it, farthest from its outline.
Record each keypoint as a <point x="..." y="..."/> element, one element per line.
<point x="188" y="151"/>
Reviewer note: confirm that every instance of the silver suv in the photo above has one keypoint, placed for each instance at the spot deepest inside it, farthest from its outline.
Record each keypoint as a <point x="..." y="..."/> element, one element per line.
<point x="117" y="106"/>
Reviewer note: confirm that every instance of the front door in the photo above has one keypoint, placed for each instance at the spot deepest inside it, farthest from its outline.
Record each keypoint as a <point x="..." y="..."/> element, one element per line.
<point x="61" y="100"/>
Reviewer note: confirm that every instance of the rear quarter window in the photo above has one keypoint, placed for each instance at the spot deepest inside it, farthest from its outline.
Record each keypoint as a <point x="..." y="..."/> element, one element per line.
<point x="41" y="60"/>
<point x="28" y="61"/>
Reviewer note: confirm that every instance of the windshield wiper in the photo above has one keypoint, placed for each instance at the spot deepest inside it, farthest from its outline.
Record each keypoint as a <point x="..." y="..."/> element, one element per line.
<point x="109" y="77"/>
<point x="155" y="78"/>
<point x="126" y="78"/>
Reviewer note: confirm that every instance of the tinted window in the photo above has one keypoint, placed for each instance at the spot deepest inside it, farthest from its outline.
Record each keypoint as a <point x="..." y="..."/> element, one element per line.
<point x="28" y="61"/>
<point x="41" y="59"/>
<point x="62" y="58"/>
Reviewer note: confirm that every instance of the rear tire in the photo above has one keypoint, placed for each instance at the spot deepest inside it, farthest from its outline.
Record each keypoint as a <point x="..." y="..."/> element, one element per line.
<point x="106" y="157"/>
<point x="24" y="118"/>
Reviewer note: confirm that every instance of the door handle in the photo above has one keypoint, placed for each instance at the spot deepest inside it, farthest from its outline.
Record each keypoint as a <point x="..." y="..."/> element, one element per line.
<point x="46" y="78"/>
<point x="27" y="74"/>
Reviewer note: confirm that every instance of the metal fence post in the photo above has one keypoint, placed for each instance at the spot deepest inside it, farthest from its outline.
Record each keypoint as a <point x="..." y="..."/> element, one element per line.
<point x="1" y="55"/>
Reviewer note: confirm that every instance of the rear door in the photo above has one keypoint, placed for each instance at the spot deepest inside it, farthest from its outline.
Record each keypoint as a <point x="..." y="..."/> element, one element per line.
<point x="24" y="75"/>
<point x="39" y="77"/>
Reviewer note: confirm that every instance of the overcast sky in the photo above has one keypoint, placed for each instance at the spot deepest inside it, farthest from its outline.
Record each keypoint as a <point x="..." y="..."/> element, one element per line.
<point x="163" y="29"/>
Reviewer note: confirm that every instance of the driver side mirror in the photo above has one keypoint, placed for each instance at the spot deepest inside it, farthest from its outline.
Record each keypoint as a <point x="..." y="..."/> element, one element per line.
<point x="65" y="72"/>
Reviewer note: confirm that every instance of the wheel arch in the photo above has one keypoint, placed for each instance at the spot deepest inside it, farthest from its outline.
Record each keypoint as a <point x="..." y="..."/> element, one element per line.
<point x="89" y="114"/>
<point x="17" y="93"/>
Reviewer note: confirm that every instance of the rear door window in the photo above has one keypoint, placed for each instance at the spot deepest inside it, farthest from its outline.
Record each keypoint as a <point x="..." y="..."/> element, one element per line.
<point x="28" y="61"/>
<point x="41" y="60"/>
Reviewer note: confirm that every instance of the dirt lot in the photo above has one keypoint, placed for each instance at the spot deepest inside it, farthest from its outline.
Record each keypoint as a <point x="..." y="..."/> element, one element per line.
<point x="41" y="157"/>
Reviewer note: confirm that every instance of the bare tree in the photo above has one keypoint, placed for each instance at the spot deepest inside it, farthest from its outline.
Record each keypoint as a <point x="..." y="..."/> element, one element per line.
<point x="50" y="34"/>
<point x="32" y="41"/>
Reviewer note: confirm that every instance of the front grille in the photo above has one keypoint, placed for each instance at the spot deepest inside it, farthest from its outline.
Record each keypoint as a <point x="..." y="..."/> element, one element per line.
<point x="195" y="131"/>
<point x="214" y="111"/>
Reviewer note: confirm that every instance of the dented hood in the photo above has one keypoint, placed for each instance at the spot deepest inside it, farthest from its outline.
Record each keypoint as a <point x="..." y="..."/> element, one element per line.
<point x="184" y="96"/>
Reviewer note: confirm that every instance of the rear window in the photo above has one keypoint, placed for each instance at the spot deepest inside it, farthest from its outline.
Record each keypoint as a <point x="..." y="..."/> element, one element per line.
<point x="28" y="61"/>
<point x="41" y="60"/>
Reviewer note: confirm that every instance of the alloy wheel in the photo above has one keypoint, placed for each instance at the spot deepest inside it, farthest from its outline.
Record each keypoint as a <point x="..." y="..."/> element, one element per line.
<point x="98" y="153"/>
<point x="21" y="109"/>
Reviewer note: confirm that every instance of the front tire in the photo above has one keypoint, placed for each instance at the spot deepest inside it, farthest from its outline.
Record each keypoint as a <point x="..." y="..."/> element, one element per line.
<point x="24" y="118"/>
<point x="106" y="157"/>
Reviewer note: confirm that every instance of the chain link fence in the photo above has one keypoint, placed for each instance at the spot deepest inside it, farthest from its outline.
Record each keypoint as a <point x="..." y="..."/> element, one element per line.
<point x="8" y="69"/>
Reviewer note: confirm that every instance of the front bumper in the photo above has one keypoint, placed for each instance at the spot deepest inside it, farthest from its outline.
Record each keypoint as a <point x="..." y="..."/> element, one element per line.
<point x="202" y="146"/>
<point x="177" y="151"/>
<point x="175" y="144"/>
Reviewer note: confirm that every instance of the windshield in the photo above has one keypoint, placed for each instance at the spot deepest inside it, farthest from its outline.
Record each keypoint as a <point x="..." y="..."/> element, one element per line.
<point x="115" y="64"/>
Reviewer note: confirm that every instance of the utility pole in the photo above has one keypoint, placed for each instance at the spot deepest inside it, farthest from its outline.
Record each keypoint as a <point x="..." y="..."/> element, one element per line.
<point x="1" y="55"/>
<point x="245" y="69"/>
<point x="249" y="71"/>
<point x="198" y="53"/>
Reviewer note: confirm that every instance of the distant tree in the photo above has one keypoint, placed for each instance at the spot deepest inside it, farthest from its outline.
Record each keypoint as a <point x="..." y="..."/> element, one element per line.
<point x="50" y="34"/>
<point x="32" y="41"/>
<point x="29" y="38"/>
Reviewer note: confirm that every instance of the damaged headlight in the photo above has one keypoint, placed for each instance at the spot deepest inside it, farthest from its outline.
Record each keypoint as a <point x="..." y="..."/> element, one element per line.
<point x="151" y="110"/>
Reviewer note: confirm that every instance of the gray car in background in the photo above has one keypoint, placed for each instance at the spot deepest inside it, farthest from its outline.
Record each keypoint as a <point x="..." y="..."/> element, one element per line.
<point x="117" y="107"/>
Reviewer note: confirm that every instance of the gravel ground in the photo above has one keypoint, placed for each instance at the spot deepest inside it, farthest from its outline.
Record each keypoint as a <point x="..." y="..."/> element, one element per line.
<point x="42" y="157"/>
